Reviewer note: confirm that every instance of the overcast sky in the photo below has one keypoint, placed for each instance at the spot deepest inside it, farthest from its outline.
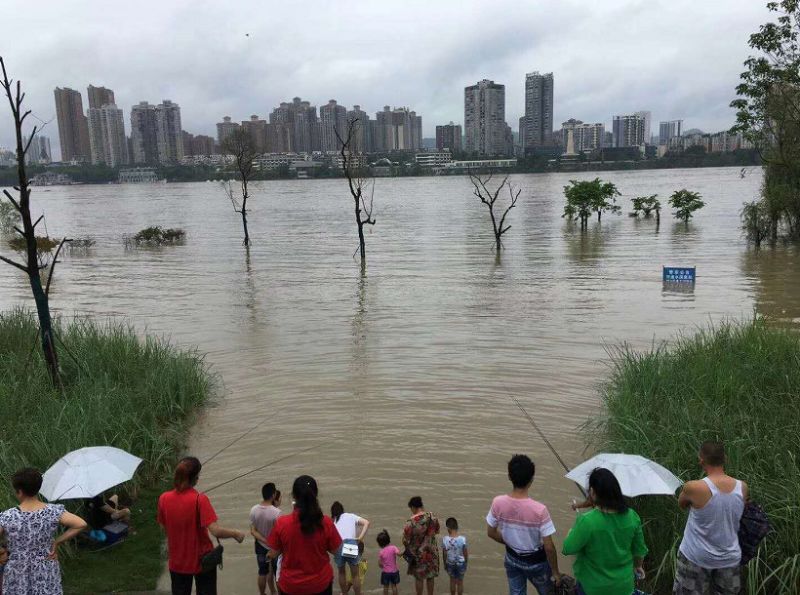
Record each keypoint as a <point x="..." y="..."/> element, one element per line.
<point x="677" y="58"/>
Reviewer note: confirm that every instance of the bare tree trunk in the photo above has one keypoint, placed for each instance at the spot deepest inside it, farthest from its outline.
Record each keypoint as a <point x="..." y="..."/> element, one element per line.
<point x="362" y="247"/>
<point x="23" y="206"/>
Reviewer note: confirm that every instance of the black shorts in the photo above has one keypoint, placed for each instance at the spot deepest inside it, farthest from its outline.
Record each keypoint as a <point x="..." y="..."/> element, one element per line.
<point x="206" y="583"/>
<point x="265" y="565"/>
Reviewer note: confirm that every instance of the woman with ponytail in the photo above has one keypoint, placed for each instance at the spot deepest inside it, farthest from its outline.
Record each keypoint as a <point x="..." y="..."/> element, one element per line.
<point x="304" y="540"/>
<point x="188" y="517"/>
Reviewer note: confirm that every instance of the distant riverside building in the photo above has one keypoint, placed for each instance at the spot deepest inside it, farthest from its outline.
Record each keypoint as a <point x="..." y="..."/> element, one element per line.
<point x="39" y="151"/>
<point x="73" y="127"/>
<point x="536" y="126"/>
<point x="169" y="137"/>
<point x="398" y="129"/>
<point x="99" y="96"/>
<point x="585" y="137"/>
<point x="485" y="127"/>
<point x="107" y="139"/>
<point x="224" y="128"/>
<point x="436" y="158"/>
<point x="647" y="116"/>
<point x="628" y="131"/>
<point x="197" y="145"/>
<point x="257" y="129"/>
<point x="448" y="136"/>
<point x="363" y="129"/>
<point x="144" y="134"/>
<point x="669" y="130"/>
<point x="294" y="127"/>
<point x="333" y="119"/>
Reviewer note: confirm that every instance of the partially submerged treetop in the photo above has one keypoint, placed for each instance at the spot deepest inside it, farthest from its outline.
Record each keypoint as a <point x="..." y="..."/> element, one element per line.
<point x="240" y="146"/>
<point x="487" y="195"/>
<point x="586" y="197"/>
<point x="685" y="202"/>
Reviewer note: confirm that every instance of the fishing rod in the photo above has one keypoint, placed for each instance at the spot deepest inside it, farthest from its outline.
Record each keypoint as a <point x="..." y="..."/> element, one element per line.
<point x="544" y="438"/>
<point x="278" y="460"/>
<point x="223" y="449"/>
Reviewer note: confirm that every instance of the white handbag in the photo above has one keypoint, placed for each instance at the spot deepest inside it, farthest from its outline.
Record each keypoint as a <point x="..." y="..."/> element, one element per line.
<point x="350" y="550"/>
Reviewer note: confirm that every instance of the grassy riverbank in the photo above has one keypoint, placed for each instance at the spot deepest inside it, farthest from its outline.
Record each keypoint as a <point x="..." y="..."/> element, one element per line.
<point x="739" y="383"/>
<point x="140" y="395"/>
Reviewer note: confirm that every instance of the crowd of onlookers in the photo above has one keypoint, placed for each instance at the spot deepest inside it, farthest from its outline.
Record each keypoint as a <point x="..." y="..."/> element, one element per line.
<point x="293" y="551"/>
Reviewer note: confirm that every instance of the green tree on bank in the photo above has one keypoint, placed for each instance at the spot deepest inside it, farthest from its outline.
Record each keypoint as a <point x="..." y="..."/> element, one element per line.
<point x="768" y="114"/>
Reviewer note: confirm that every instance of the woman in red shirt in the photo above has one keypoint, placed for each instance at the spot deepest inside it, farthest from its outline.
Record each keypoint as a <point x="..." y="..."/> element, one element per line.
<point x="304" y="540"/>
<point x="188" y="517"/>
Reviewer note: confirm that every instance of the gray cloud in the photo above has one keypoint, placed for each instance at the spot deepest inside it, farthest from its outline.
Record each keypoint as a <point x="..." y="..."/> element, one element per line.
<point x="677" y="58"/>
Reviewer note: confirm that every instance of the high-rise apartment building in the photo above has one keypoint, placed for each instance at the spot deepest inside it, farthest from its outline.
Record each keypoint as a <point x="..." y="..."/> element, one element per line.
<point x="73" y="127"/>
<point x="107" y="139"/>
<point x="628" y="131"/>
<point x="38" y="151"/>
<point x="333" y="119"/>
<point x="536" y="126"/>
<point x="144" y="134"/>
<point x="99" y="96"/>
<point x="169" y="137"/>
<point x="448" y="136"/>
<point x="224" y="128"/>
<point x="362" y="143"/>
<point x="647" y="116"/>
<point x="585" y="137"/>
<point x="669" y="130"/>
<point x="257" y="129"/>
<point x="197" y="145"/>
<point x="485" y="118"/>
<point x="295" y="127"/>
<point x="398" y="129"/>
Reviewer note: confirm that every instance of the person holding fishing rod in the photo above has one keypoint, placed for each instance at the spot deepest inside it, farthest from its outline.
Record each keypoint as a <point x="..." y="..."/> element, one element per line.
<point x="525" y="528"/>
<point x="188" y="517"/>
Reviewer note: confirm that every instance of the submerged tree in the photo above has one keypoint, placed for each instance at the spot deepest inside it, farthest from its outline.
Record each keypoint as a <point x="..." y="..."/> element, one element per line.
<point x="239" y="144"/>
<point x="685" y="202"/>
<point x="22" y="204"/>
<point x="646" y="206"/>
<point x="355" y="171"/>
<point x="756" y="221"/>
<point x="584" y="198"/>
<point x="768" y="114"/>
<point x="488" y="196"/>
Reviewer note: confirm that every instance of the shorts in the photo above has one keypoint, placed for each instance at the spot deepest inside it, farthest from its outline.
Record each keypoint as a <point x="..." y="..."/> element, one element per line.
<point x="265" y="565"/>
<point x="390" y="578"/>
<point x="456" y="571"/>
<point x="691" y="579"/>
<point x="340" y="560"/>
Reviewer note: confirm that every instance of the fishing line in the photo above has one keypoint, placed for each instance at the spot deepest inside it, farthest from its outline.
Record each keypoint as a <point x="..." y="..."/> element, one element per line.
<point x="220" y="451"/>
<point x="544" y="438"/>
<point x="278" y="460"/>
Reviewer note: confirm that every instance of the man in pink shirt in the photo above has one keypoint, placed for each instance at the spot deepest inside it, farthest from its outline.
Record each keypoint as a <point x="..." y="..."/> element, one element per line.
<point x="525" y="528"/>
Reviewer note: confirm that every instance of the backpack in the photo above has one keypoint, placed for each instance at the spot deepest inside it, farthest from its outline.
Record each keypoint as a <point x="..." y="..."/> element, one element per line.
<point x="753" y="528"/>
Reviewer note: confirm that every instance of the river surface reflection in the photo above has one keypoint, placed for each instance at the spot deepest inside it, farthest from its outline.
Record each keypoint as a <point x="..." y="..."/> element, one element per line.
<point x="402" y="376"/>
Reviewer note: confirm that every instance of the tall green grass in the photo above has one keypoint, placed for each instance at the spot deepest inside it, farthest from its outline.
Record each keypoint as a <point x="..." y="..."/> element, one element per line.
<point x="735" y="382"/>
<point x="138" y="394"/>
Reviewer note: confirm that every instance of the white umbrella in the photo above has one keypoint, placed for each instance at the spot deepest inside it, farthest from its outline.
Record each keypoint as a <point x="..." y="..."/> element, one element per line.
<point x="637" y="476"/>
<point x="87" y="472"/>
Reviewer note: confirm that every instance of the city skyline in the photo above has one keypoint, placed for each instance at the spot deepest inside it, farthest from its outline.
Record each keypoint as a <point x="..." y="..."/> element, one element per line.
<point x="258" y="65"/>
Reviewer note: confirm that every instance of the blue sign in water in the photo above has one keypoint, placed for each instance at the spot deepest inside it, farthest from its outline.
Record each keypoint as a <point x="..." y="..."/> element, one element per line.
<point x="679" y="275"/>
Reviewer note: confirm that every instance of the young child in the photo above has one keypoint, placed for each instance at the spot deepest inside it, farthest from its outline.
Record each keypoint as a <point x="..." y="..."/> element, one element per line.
<point x="454" y="552"/>
<point x="362" y="568"/>
<point x="387" y="560"/>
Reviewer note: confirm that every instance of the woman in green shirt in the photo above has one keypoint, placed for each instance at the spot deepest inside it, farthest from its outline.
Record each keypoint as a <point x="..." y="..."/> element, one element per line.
<point x="607" y="541"/>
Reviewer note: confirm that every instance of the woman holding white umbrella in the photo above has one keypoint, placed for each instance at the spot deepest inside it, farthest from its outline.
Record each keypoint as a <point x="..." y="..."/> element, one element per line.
<point x="607" y="541"/>
<point x="33" y="563"/>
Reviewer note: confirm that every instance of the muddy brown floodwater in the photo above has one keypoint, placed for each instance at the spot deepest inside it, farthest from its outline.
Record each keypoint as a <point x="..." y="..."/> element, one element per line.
<point x="402" y="378"/>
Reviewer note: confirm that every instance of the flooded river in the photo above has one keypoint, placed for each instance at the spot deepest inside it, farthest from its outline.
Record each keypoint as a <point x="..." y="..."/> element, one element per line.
<point x="402" y="378"/>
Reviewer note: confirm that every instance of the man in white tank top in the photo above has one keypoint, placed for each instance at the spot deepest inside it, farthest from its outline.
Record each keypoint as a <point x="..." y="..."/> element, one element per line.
<point x="709" y="555"/>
